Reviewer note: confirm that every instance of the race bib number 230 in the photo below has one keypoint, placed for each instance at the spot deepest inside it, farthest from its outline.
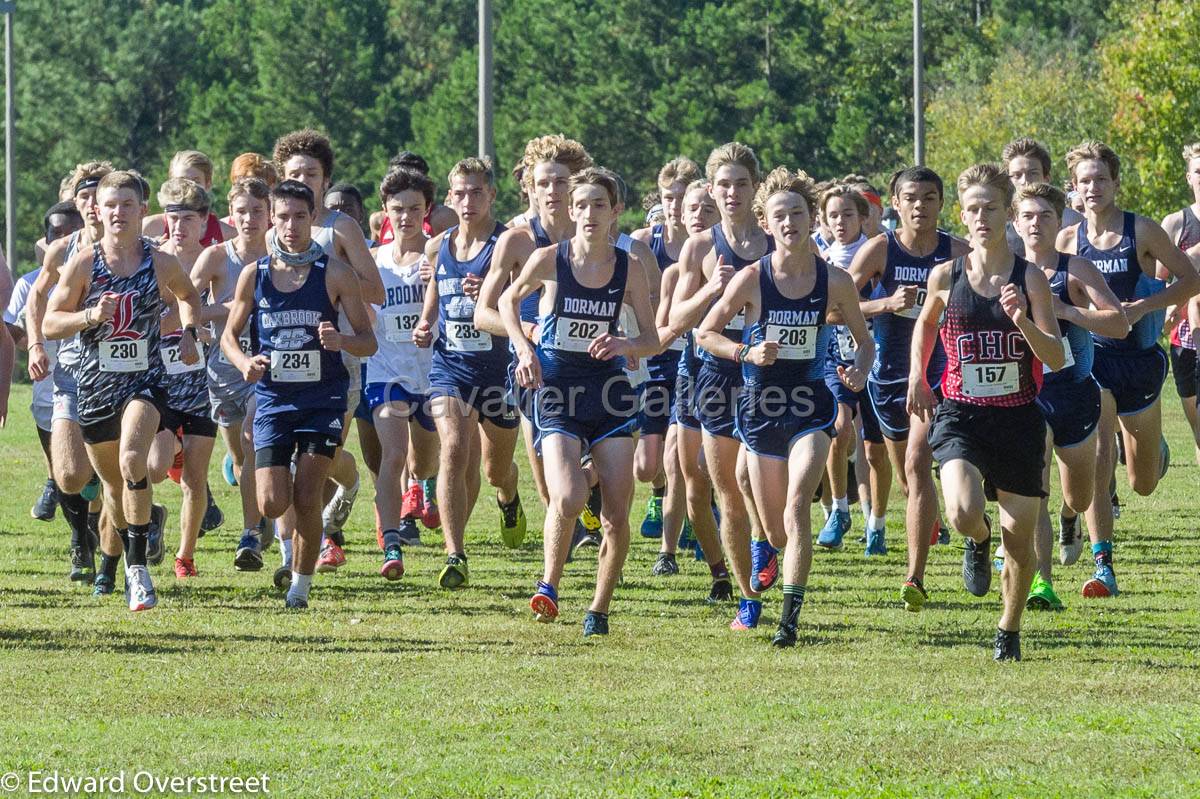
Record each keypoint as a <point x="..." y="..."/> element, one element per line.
<point x="121" y="355"/>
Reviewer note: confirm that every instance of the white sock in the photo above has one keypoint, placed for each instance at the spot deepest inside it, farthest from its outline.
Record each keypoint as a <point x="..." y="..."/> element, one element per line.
<point x="827" y="508"/>
<point x="842" y="504"/>
<point x="874" y="522"/>
<point x="300" y="585"/>
<point x="866" y="508"/>
<point x="285" y="547"/>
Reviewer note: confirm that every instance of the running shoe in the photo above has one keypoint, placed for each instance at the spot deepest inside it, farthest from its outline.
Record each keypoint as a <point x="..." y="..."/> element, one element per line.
<point x="512" y="522"/>
<point x="393" y="563"/>
<point x="295" y="603"/>
<point x="1042" y="596"/>
<point x="227" y="470"/>
<point x="544" y="603"/>
<point x="175" y="470"/>
<point x="337" y="512"/>
<point x="1103" y="583"/>
<point x="1007" y="645"/>
<point x="998" y="559"/>
<point x="412" y="502"/>
<point x="103" y="586"/>
<point x="876" y="545"/>
<point x="141" y="590"/>
<point x="431" y="517"/>
<point x="332" y="557"/>
<point x="747" y="616"/>
<point x="249" y="553"/>
<point x="665" y="565"/>
<point x="282" y="578"/>
<point x="91" y="490"/>
<point x="214" y="517"/>
<point x="1164" y="463"/>
<point x="687" y="536"/>
<point x="595" y="624"/>
<point x="83" y="564"/>
<point x="785" y="636"/>
<point x="590" y="520"/>
<point x="185" y="568"/>
<point x="454" y="574"/>
<point x="943" y="533"/>
<point x="764" y="565"/>
<point x="977" y="567"/>
<point x="836" y="527"/>
<point x="721" y="591"/>
<point x="913" y="595"/>
<point x="154" y="538"/>
<point x="1070" y="540"/>
<point x="410" y="535"/>
<point x="652" y="525"/>
<point x="47" y="504"/>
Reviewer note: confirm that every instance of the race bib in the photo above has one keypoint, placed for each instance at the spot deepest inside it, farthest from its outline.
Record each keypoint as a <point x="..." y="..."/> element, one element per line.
<point x="915" y="311"/>
<point x="243" y="343"/>
<point x="172" y="359"/>
<point x="575" y="335"/>
<point x="1070" y="361"/>
<point x="990" y="379"/>
<point x="119" y="355"/>
<point x="736" y="325"/>
<point x="295" y="366"/>
<point x="796" y="343"/>
<point x="398" y="327"/>
<point x="847" y="349"/>
<point x="464" y="337"/>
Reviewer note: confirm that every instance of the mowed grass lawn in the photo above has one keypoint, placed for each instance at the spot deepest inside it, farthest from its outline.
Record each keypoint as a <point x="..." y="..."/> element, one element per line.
<point x="403" y="689"/>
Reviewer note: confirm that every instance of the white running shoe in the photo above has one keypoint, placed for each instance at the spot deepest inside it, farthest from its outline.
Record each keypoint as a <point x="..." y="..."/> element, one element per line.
<point x="338" y="510"/>
<point x="141" y="590"/>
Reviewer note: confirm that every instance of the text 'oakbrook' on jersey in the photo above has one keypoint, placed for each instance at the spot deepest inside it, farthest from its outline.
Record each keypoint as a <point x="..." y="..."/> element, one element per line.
<point x="302" y="374"/>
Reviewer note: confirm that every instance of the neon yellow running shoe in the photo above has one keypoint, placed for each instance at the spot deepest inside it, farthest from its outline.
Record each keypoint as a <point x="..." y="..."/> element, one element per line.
<point x="1042" y="596"/>
<point x="512" y="522"/>
<point x="454" y="574"/>
<point x="914" y="596"/>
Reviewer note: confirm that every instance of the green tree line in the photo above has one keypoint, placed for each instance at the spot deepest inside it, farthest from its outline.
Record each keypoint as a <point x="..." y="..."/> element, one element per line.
<point x="824" y="85"/>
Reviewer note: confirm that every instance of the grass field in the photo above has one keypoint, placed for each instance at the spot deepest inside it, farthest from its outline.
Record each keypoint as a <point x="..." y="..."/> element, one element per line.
<point x="402" y="689"/>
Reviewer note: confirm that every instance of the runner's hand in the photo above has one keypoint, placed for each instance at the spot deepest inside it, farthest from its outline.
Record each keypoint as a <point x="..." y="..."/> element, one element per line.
<point x="903" y="298"/>
<point x="529" y="369"/>
<point x="106" y="309"/>
<point x="470" y="286"/>
<point x="422" y="334"/>
<point x="852" y="377"/>
<point x="763" y="354"/>
<point x="920" y="401"/>
<point x="1012" y="300"/>
<point x="255" y="368"/>
<point x="39" y="363"/>
<point x="331" y="339"/>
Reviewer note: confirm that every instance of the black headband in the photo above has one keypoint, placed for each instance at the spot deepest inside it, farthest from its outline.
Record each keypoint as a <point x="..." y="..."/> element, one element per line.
<point x="176" y="208"/>
<point x="86" y="183"/>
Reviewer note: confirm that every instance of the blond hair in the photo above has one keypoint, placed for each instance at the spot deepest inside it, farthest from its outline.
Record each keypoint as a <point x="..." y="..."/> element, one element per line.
<point x="250" y="186"/>
<point x="181" y="194"/>
<point x="1191" y="151"/>
<point x="474" y="166"/>
<point x="733" y="153"/>
<point x="89" y="171"/>
<point x="780" y="180"/>
<point x="555" y="148"/>
<point x="990" y="176"/>
<point x="678" y="170"/>
<point x="192" y="159"/>
<point x="123" y="179"/>
<point x="1092" y="150"/>
<point x="1042" y="191"/>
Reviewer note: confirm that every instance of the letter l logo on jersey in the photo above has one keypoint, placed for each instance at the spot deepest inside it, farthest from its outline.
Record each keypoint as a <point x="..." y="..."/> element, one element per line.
<point x="122" y="322"/>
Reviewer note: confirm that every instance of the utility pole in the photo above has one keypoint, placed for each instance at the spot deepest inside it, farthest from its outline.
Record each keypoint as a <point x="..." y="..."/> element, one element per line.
<point x="918" y="89"/>
<point x="486" y="140"/>
<point x="10" y="193"/>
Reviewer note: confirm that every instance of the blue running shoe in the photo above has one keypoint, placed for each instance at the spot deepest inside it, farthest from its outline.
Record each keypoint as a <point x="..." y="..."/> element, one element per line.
<point x="943" y="537"/>
<point x="764" y="565"/>
<point x="875" y="543"/>
<point x="1103" y="583"/>
<point x="686" y="537"/>
<point x="248" y="557"/>
<point x="836" y="527"/>
<point x="595" y="623"/>
<point x="227" y="470"/>
<point x="747" y="616"/>
<point x="652" y="525"/>
<point x="544" y="602"/>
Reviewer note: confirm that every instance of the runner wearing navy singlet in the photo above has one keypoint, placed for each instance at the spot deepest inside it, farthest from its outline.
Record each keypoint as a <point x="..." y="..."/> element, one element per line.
<point x="111" y="295"/>
<point x="789" y="299"/>
<point x="707" y="263"/>
<point x="997" y="329"/>
<point x="547" y="165"/>
<point x="292" y="299"/>
<point x="583" y="401"/>
<point x="1131" y="369"/>
<point x="469" y="377"/>
<point x="898" y="263"/>
<point x="1070" y="396"/>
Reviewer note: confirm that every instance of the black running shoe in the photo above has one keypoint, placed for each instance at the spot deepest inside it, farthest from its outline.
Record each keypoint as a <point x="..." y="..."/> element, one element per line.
<point x="282" y="578"/>
<point x="595" y="624"/>
<point x="785" y="636"/>
<point x="214" y="517"/>
<point x="721" y="591"/>
<point x="410" y="535"/>
<point x="83" y="564"/>
<point x="977" y="567"/>
<point x="1008" y="645"/>
<point x="154" y="539"/>
<point x="665" y="565"/>
<point x="43" y="510"/>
